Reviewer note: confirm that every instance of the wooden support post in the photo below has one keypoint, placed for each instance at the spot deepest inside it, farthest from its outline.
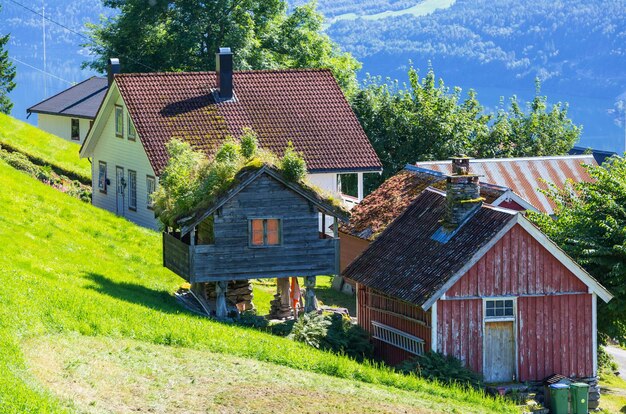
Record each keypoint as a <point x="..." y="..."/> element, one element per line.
<point x="281" y="308"/>
<point x="221" y="311"/>
<point x="310" y="301"/>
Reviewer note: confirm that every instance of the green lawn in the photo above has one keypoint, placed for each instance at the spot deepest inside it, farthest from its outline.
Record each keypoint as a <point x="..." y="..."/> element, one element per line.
<point x="44" y="148"/>
<point x="79" y="287"/>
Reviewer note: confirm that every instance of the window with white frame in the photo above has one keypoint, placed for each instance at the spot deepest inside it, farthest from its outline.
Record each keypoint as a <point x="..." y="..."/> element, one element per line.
<point x="119" y="121"/>
<point x="150" y="189"/>
<point x="499" y="308"/>
<point x="75" y="129"/>
<point x="132" y="190"/>
<point x="102" y="177"/>
<point x="132" y="134"/>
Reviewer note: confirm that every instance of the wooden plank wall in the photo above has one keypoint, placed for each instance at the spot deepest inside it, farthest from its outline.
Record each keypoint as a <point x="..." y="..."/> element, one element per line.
<point x="350" y="248"/>
<point x="176" y="255"/>
<point x="550" y="297"/>
<point x="373" y="306"/>
<point x="555" y="336"/>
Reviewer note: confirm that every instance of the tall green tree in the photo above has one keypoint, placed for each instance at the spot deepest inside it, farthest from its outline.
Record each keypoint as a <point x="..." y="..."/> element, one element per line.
<point x="168" y="35"/>
<point x="7" y="76"/>
<point x="590" y="225"/>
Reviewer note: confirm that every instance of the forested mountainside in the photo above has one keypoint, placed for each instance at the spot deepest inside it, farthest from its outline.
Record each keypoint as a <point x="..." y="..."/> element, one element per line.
<point x="496" y="47"/>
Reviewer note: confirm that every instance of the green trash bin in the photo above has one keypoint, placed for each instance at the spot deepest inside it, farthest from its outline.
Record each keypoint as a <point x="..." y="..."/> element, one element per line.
<point x="580" y="398"/>
<point x="559" y="399"/>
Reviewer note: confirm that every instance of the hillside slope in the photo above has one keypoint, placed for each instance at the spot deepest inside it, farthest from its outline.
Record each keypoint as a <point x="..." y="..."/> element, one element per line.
<point x="89" y="288"/>
<point x="43" y="147"/>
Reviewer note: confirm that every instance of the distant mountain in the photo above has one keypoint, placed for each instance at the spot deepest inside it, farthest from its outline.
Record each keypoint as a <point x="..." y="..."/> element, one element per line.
<point x="496" y="47"/>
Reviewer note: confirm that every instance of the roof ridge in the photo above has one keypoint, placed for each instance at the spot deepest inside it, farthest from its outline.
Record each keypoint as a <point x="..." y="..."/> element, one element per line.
<point x="190" y="73"/>
<point x="482" y="160"/>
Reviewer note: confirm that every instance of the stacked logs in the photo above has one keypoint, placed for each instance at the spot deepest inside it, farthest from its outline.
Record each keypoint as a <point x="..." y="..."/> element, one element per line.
<point x="239" y="292"/>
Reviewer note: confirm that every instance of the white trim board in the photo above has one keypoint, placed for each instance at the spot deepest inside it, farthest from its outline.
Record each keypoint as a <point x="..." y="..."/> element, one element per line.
<point x="593" y="285"/>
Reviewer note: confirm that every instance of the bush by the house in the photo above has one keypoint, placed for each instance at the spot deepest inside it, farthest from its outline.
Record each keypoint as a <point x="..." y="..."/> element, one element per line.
<point x="293" y="165"/>
<point x="249" y="143"/>
<point x="345" y="337"/>
<point x="311" y="328"/>
<point x="443" y="368"/>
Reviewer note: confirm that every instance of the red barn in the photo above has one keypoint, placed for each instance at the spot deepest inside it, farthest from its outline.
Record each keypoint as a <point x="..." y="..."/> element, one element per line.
<point x="481" y="283"/>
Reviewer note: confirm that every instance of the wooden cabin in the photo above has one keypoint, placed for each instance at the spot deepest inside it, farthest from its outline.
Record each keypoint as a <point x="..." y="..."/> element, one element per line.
<point x="263" y="227"/>
<point x="481" y="283"/>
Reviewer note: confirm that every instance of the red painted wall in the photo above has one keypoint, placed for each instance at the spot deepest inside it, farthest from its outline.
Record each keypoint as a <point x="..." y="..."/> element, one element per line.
<point x="511" y="205"/>
<point x="373" y="306"/>
<point x="551" y="299"/>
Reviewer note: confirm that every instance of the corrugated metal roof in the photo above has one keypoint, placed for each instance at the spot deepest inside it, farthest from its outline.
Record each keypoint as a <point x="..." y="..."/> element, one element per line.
<point x="81" y="100"/>
<point x="524" y="175"/>
<point x="405" y="262"/>
<point x="304" y="106"/>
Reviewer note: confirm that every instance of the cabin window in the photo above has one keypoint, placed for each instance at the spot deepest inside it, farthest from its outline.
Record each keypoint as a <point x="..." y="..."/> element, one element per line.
<point x="132" y="190"/>
<point x="151" y="188"/>
<point x="499" y="308"/>
<point x="75" y="129"/>
<point x="119" y="121"/>
<point x="265" y="232"/>
<point x="102" y="177"/>
<point x="132" y="134"/>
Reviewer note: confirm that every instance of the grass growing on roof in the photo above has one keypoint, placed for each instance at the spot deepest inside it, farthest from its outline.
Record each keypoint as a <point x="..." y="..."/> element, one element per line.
<point x="68" y="269"/>
<point x="43" y="148"/>
<point x="191" y="182"/>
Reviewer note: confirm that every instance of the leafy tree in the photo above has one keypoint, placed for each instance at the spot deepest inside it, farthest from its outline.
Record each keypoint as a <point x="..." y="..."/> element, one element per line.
<point x="7" y="75"/>
<point x="590" y="225"/>
<point x="427" y="120"/>
<point x="163" y="35"/>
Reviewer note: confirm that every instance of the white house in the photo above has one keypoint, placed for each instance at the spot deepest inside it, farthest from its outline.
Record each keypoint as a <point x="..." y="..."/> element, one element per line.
<point x="70" y="113"/>
<point x="141" y="112"/>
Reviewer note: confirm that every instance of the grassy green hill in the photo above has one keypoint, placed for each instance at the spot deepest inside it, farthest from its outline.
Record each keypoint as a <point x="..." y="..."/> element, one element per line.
<point x="43" y="148"/>
<point x="88" y="324"/>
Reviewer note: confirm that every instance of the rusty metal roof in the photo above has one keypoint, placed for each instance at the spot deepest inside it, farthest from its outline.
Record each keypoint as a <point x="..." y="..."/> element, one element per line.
<point x="405" y="262"/>
<point x="525" y="175"/>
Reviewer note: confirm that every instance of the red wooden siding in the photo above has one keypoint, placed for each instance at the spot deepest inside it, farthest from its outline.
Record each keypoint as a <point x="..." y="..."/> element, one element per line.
<point x="554" y="310"/>
<point x="460" y="330"/>
<point x="517" y="264"/>
<point x="511" y="205"/>
<point x="554" y="336"/>
<point x="374" y="306"/>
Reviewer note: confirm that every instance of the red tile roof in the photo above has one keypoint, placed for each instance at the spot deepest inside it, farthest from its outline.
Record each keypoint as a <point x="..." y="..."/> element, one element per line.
<point x="305" y="106"/>
<point x="525" y="175"/>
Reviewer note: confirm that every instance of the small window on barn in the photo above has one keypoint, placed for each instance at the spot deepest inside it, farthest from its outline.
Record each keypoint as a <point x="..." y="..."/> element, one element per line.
<point x="102" y="177"/>
<point x="75" y="129"/>
<point x="499" y="308"/>
<point x="265" y="232"/>
<point x="119" y="121"/>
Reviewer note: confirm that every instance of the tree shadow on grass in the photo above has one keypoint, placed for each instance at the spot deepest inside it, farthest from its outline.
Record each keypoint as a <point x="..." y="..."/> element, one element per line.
<point x="331" y="297"/>
<point x="133" y="293"/>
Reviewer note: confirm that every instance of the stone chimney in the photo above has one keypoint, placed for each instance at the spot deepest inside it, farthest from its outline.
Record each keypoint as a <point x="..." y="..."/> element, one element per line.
<point x="462" y="193"/>
<point x="112" y="68"/>
<point x="224" y="70"/>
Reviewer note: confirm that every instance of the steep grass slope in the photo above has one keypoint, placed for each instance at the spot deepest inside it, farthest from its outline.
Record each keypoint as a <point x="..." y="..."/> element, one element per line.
<point x="43" y="148"/>
<point x="74" y="278"/>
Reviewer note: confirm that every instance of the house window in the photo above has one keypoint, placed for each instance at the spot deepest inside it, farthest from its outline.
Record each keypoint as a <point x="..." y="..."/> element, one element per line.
<point x="102" y="177"/>
<point x="132" y="134"/>
<point x="265" y="232"/>
<point x="75" y="129"/>
<point x="151" y="188"/>
<point x="132" y="190"/>
<point x="499" y="308"/>
<point x="119" y="121"/>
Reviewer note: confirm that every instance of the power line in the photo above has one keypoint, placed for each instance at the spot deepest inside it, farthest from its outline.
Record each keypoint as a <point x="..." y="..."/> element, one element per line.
<point x="75" y="32"/>
<point x="42" y="71"/>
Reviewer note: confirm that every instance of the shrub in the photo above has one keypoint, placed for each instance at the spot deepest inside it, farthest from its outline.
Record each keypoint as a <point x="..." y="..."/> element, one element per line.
<point x="347" y="338"/>
<point x="252" y="320"/>
<point x="249" y="144"/>
<point x="310" y="328"/>
<point x="293" y="165"/>
<point x="20" y="162"/>
<point x="606" y="362"/>
<point x="230" y="152"/>
<point x="445" y="369"/>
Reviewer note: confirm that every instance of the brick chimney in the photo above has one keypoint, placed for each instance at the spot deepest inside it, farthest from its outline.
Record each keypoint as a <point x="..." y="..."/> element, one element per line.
<point x="224" y="70"/>
<point x="462" y="193"/>
<point x="113" y="67"/>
